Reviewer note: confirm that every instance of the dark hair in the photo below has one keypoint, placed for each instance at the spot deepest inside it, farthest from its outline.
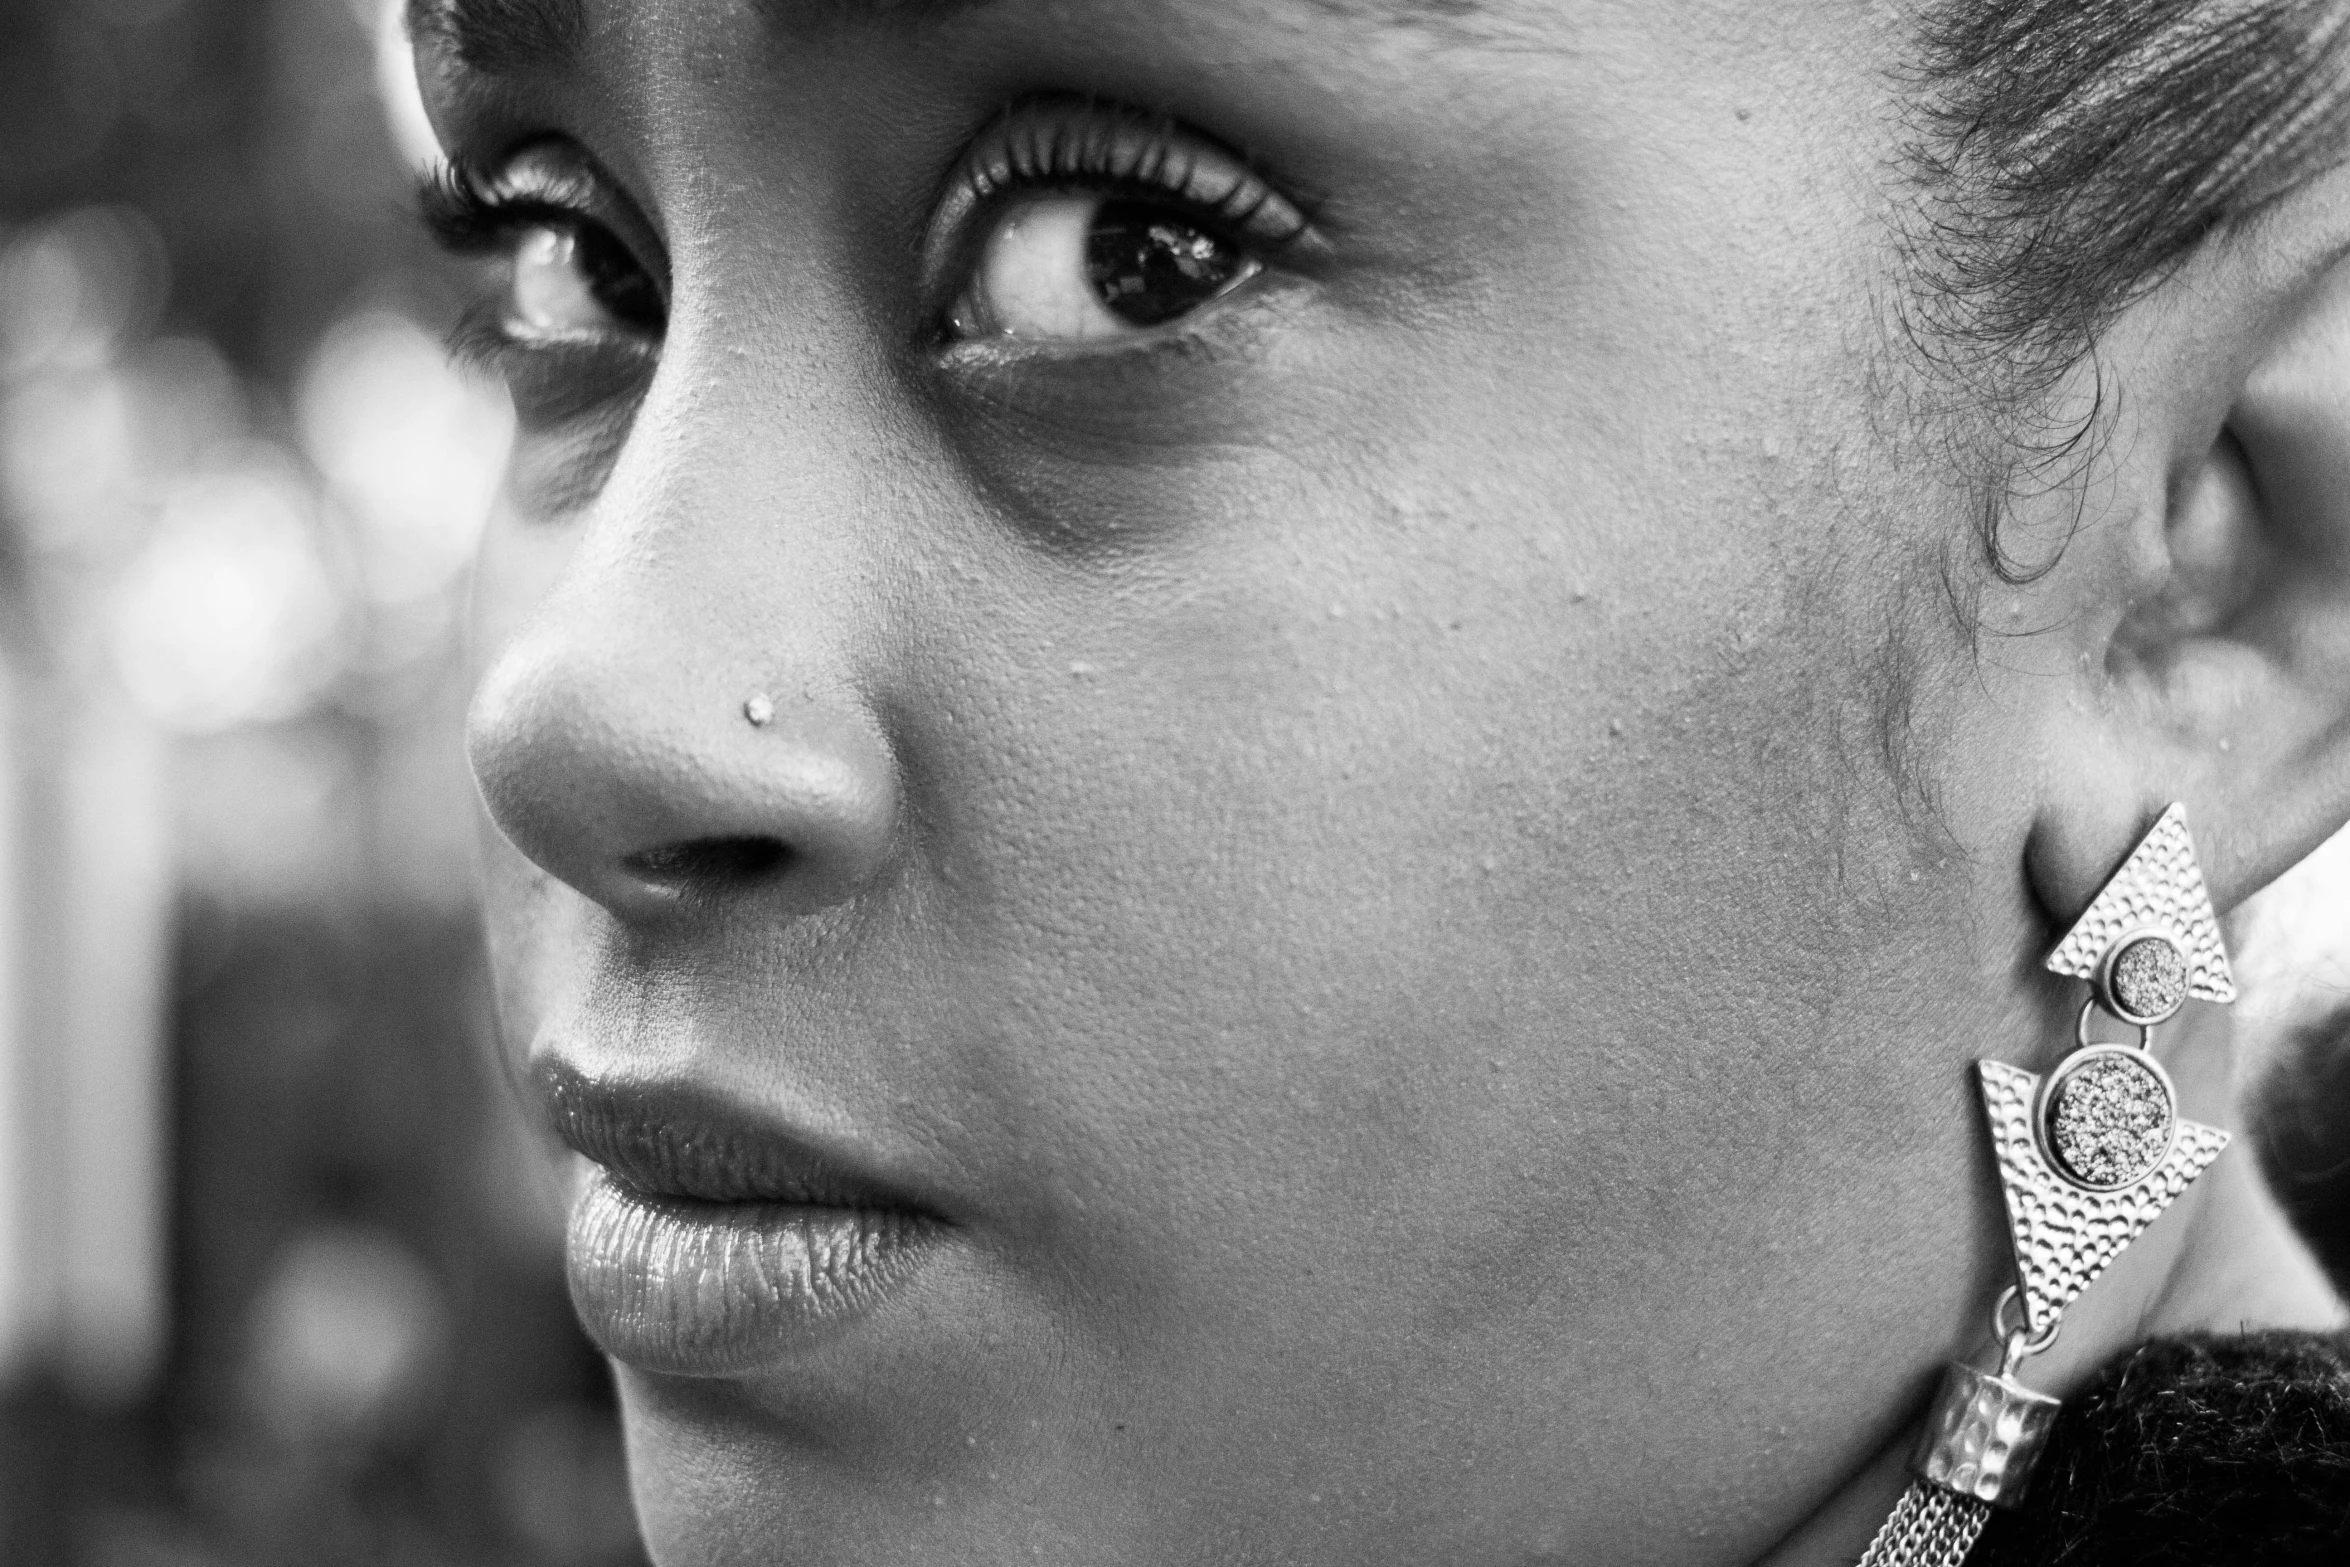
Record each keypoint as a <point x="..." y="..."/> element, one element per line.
<point x="2069" y="153"/>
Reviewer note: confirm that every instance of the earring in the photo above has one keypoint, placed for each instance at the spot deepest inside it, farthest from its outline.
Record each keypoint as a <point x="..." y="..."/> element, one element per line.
<point x="2088" y="1157"/>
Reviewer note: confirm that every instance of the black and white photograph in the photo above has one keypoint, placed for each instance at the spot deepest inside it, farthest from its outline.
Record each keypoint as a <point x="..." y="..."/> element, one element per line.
<point x="1174" y="783"/>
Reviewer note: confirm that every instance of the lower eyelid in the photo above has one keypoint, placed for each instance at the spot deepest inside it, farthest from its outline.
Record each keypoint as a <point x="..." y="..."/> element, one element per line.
<point x="1193" y="329"/>
<point x="560" y="381"/>
<point x="1238" y="321"/>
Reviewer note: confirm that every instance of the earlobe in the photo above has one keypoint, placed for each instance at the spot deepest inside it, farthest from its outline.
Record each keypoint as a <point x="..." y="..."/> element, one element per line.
<point x="2225" y="681"/>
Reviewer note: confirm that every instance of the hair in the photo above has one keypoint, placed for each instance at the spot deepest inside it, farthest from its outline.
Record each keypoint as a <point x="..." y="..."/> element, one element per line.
<point x="2069" y="155"/>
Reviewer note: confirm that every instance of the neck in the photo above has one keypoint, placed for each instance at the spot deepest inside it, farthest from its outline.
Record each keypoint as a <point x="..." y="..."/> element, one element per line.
<point x="2224" y="1259"/>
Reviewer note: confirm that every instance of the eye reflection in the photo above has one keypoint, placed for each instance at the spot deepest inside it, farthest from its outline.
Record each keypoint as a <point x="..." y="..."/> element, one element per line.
<point x="577" y="285"/>
<point x="551" y="296"/>
<point x="1080" y="268"/>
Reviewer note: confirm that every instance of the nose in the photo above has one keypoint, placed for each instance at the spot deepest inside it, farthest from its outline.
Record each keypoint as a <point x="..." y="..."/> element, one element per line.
<point x="676" y="716"/>
<point x="659" y="788"/>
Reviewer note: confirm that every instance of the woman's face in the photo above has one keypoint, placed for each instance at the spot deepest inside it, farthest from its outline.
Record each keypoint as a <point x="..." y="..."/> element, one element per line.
<point x="1232" y="769"/>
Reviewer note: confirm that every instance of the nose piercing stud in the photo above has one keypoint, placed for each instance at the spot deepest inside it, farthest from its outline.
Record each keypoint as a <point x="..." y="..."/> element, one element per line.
<point x="760" y="710"/>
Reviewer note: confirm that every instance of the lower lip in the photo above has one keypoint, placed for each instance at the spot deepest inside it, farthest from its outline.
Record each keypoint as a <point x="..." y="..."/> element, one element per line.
<point x="689" y="1288"/>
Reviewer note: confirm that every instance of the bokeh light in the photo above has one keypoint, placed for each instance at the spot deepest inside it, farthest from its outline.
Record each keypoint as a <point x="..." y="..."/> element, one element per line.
<point x="412" y="450"/>
<point x="228" y="614"/>
<point x="280" y="1276"/>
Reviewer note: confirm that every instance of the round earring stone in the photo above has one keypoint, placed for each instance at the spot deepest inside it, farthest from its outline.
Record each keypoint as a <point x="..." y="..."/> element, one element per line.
<point x="2149" y="979"/>
<point x="2110" y="1121"/>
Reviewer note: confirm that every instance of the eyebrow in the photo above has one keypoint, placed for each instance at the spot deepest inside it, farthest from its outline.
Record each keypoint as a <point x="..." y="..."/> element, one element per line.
<point x="503" y="36"/>
<point x="499" y="36"/>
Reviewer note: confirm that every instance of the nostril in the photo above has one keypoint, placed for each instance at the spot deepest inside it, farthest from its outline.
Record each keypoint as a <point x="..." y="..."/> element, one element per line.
<point x="711" y="864"/>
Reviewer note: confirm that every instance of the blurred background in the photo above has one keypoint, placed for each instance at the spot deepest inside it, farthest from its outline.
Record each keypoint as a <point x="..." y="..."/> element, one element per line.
<point x="280" y="1272"/>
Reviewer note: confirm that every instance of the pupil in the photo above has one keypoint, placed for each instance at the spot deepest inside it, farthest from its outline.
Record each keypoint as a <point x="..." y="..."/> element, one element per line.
<point x="1149" y="265"/>
<point x="613" y="276"/>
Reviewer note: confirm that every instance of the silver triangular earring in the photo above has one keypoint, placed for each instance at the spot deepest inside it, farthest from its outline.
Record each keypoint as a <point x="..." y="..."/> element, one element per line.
<point x="2088" y="1158"/>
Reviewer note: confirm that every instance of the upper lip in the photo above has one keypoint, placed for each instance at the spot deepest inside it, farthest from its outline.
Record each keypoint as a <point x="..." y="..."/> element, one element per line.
<point x="679" y="1140"/>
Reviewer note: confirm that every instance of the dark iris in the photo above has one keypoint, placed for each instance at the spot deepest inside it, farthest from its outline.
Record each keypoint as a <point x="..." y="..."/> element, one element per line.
<point x="1150" y="266"/>
<point x="613" y="276"/>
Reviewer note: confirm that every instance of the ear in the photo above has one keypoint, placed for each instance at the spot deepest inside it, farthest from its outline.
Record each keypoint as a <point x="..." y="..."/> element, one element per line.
<point x="2207" y="616"/>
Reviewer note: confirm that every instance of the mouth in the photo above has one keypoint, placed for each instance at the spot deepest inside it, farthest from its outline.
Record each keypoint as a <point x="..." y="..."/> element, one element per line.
<point x="709" y="1243"/>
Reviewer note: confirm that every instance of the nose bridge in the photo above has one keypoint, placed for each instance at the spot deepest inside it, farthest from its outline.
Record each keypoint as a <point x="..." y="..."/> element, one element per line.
<point x="681" y="721"/>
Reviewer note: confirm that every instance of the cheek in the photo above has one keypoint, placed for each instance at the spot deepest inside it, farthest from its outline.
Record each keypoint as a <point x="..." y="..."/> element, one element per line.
<point x="540" y="937"/>
<point x="537" y="928"/>
<point x="1416" y="955"/>
<point x="1421" y="845"/>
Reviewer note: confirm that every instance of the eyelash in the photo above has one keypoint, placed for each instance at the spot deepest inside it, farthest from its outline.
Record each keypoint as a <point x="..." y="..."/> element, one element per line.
<point x="462" y="214"/>
<point x="1036" y="146"/>
<point x="468" y="214"/>
<point x="1058" y="142"/>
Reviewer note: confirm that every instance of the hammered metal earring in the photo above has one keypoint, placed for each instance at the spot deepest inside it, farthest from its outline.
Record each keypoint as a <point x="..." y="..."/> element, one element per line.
<point x="2088" y="1158"/>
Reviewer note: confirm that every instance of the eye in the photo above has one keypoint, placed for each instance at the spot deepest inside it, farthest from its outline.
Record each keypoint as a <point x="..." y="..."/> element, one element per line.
<point x="1070" y="220"/>
<point x="574" y="283"/>
<point x="567" y="277"/>
<point x="1074" y="267"/>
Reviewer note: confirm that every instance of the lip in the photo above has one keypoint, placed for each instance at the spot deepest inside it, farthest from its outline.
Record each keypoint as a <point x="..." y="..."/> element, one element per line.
<point x="711" y="1243"/>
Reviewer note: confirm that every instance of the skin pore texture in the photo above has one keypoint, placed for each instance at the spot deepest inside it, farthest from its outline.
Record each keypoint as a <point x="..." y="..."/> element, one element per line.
<point x="1408" y="868"/>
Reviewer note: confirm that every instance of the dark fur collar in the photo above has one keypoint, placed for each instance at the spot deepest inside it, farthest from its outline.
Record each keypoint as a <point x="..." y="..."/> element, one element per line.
<point x="2194" y="1452"/>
